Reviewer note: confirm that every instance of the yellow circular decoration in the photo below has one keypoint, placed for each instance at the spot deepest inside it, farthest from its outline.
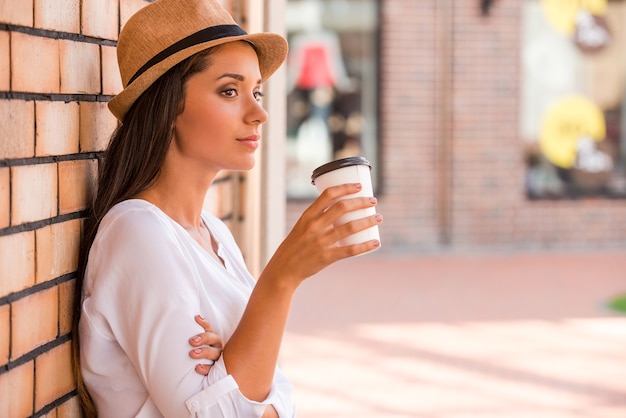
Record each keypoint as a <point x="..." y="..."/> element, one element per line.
<point x="565" y="123"/>
<point x="562" y="13"/>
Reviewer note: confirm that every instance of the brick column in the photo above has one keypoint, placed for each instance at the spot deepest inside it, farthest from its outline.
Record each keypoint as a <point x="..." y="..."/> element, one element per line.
<point x="57" y="71"/>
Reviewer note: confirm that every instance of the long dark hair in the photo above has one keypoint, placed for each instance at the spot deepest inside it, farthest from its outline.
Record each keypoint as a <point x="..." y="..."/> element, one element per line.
<point x="130" y="165"/>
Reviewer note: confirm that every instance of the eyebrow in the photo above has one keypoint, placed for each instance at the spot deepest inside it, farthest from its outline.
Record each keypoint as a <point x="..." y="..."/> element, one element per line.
<point x="238" y="77"/>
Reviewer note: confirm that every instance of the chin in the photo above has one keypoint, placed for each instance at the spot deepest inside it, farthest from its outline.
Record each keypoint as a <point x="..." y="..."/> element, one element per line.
<point x="246" y="165"/>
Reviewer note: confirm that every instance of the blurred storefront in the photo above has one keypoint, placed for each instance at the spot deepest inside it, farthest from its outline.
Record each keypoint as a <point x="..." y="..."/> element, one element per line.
<point x="490" y="124"/>
<point x="573" y="116"/>
<point x="332" y="102"/>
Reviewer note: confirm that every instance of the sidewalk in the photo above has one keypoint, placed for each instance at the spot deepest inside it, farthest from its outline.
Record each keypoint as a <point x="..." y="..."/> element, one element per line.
<point x="460" y="336"/>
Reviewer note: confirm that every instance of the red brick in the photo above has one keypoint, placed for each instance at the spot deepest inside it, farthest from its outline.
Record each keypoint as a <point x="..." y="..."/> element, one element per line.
<point x="17" y="118"/>
<point x="66" y="306"/>
<point x="5" y="62"/>
<point x="80" y="67"/>
<point x="5" y="334"/>
<point x="5" y="197"/>
<point x="111" y="79"/>
<point x="77" y="184"/>
<point x="29" y="55"/>
<point x="57" y="128"/>
<point x="34" y="320"/>
<point x="34" y="193"/>
<point x="16" y="391"/>
<point x="17" y="12"/>
<point x="70" y="409"/>
<point x="100" y="18"/>
<point x="53" y="378"/>
<point x="96" y="126"/>
<point x="17" y="258"/>
<point x="57" y="249"/>
<point x="58" y="15"/>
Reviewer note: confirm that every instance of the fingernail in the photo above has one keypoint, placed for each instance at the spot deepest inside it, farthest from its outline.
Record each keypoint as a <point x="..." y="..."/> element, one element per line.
<point x="196" y="339"/>
<point x="201" y="317"/>
<point x="357" y="185"/>
<point x="379" y="218"/>
<point x="373" y="200"/>
<point x="197" y="351"/>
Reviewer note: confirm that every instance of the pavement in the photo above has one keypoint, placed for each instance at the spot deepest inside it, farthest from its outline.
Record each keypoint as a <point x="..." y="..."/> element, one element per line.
<point x="460" y="336"/>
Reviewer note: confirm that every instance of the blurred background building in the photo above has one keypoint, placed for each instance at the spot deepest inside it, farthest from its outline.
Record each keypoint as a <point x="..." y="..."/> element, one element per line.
<point x="490" y="124"/>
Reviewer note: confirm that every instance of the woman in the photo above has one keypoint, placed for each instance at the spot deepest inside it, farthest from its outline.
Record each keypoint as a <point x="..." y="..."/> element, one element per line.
<point x="157" y="269"/>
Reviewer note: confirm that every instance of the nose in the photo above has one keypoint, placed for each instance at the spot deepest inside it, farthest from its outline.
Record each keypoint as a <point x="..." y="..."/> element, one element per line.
<point x="257" y="113"/>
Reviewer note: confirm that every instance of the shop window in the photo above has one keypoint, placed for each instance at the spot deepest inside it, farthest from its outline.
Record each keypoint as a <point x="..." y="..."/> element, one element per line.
<point x="332" y="73"/>
<point x="573" y="101"/>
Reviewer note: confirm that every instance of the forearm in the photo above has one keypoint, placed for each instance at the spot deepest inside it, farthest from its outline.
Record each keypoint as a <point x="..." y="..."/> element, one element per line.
<point x="252" y="352"/>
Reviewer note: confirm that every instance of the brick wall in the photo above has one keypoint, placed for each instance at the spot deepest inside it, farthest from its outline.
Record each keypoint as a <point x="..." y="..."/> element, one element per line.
<point x="58" y="69"/>
<point x="409" y="68"/>
<point x="452" y="168"/>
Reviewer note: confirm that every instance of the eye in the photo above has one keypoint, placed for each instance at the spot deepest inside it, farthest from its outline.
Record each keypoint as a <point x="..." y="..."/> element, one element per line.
<point x="258" y="95"/>
<point x="229" y="92"/>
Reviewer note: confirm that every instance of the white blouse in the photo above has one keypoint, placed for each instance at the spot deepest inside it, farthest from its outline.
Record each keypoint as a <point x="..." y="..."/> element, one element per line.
<point x="145" y="281"/>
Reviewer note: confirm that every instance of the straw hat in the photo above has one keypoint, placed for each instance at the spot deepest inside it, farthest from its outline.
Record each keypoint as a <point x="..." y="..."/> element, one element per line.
<point x="165" y="32"/>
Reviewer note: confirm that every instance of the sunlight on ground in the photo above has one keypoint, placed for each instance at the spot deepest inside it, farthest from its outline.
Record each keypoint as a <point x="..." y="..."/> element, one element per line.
<point x="532" y="369"/>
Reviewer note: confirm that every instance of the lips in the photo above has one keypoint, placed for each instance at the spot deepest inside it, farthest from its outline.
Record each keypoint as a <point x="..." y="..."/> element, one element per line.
<point x="251" y="141"/>
<point x="254" y="137"/>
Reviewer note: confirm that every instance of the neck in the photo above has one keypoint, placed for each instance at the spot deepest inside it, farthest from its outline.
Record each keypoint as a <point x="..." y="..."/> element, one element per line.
<point x="180" y="197"/>
<point x="181" y="187"/>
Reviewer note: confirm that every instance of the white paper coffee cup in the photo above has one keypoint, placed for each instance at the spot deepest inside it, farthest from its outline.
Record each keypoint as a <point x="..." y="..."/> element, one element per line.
<point x="343" y="171"/>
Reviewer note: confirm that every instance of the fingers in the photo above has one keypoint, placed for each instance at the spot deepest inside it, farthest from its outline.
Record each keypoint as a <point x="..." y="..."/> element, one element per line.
<point x="358" y="225"/>
<point x="330" y="226"/>
<point x="331" y="205"/>
<point x="347" y="229"/>
<point x="330" y="195"/>
<point x="208" y="346"/>
<point x="203" y="369"/>
<point x="340" y="208"/>
<point x="203" y="323"/>
<point x="206" y="353"/>
<point x="209" y="337"/>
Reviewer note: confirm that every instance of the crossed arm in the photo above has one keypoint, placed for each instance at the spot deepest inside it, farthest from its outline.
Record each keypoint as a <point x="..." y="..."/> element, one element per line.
<point x="208" y="348"/>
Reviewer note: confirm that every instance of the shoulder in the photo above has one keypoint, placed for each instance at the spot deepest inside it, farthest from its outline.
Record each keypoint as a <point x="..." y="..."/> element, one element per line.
<point x="131" y="231"/>
<point x="132" y="216"/>
<point x="136" y="240"/>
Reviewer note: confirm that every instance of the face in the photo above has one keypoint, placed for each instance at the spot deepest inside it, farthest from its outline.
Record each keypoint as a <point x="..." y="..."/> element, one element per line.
<point x="219" y="128"/>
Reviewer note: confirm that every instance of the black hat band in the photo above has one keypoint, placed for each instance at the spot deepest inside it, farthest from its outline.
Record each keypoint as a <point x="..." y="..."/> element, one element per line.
<point x="205" y="35"/>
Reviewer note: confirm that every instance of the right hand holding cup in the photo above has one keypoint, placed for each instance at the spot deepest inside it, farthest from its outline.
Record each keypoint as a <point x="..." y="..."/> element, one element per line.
<point x="318" y="237"/>
<point x="349" y="170"/>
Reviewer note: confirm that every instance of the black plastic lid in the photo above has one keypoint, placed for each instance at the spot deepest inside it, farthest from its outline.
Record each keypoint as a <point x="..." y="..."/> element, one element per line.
<point x="334" y="165"/>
